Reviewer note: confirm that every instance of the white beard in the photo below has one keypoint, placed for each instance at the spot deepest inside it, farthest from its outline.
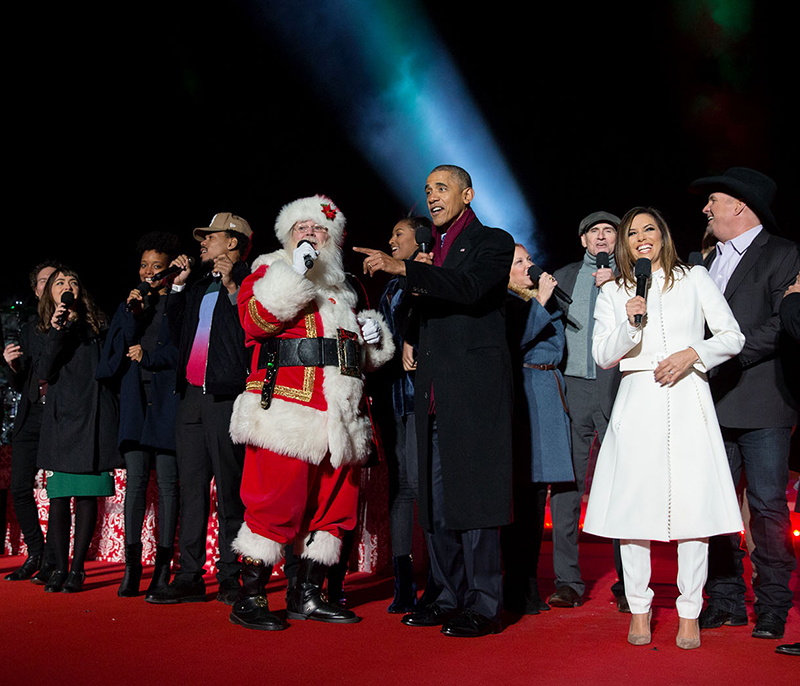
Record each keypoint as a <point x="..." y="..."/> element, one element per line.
<point x="328" y="269"/>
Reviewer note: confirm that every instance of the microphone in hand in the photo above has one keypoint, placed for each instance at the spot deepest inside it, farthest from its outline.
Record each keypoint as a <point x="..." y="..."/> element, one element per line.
<point x="602" y="261"/>
<point x="424" y="238"/>
<point x="535" y="271"/>
<point x="641" y="271"/>
<point x="67" y="298"/>
<point x="166" y="273"/>
<point x="144" y="289"/>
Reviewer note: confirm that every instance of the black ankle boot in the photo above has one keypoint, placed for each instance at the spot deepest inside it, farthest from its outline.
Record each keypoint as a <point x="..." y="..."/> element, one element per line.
<point x="129" y="587"/>
<point x="27" y="570"/>
<point x="405" y="590"/>
<point x="307" y="601"/>
<point x="55" y="584"/>
<point x="161" y="572"/>
<point x="251" y="609"/>
<point x="45" y="572"/>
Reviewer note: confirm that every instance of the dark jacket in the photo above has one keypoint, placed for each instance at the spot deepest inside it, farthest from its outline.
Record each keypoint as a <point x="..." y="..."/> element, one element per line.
<point x="147" y="423"/>
<point x="463" y="356"/>
<point x="228" y="362"/>
<point x="607" y="379"/>
<point x="751" y="390"/>
<point x="79" y="424"/>
<point x="26" y="380"/>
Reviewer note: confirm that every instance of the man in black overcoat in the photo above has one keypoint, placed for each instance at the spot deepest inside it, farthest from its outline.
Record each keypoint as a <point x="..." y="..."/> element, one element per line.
<point x="756" y="410"/>
<point x="463" y="401"/>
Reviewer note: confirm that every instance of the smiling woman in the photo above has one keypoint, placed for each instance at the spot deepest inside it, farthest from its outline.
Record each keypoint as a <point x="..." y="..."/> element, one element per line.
<point x="662" y="471"/>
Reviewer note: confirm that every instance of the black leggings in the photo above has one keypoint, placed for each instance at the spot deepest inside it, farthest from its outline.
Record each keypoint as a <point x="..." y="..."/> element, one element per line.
<point x="59" y="525"/>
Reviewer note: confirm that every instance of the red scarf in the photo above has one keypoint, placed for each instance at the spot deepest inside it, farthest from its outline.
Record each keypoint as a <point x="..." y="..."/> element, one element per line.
<point x="441" y="248"/>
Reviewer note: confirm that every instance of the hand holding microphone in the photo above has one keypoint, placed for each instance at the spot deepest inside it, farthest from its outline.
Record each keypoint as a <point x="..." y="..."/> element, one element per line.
<point x="603" y="273"/>
<point x="181" y="265"/>
<point x="60" y="316"/>
<point x="303" y="256"/>
<point x="535" y="272"/>
<point x="136" y="296"/>
<point x="636" y="307"/>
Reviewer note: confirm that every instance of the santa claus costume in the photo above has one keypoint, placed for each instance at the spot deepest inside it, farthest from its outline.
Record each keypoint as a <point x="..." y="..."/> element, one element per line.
<point x="302" y="415"/>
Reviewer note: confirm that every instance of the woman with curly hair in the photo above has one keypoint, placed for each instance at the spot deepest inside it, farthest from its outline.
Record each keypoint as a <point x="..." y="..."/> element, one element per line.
<point x="77" y="448"/>
<point x="139" y="355"/>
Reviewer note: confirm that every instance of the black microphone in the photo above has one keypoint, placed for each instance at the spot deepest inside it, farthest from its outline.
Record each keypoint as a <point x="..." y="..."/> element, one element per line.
<point x="307" y="259"/>
<point x="144" y="289"/>
<point x="535" y="272"/>
<point x="424" y="238"/>
<point x="169" y="271"/>
<point x="696" y="258"/>
<point x="602" y="260"/>
<point x="641" y="271"/>
<point x="67" y="298"/>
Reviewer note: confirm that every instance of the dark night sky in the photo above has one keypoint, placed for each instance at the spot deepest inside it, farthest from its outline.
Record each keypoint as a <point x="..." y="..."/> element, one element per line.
<point x="158" y="115"/>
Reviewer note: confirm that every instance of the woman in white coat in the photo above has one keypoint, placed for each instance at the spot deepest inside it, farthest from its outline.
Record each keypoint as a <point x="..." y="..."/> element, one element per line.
<point x="662" y="473"/>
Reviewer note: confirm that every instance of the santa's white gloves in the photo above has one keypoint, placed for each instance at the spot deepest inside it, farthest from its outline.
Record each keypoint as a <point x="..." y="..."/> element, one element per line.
<point x="370" y="330"/>
<point x="304" y="251"/>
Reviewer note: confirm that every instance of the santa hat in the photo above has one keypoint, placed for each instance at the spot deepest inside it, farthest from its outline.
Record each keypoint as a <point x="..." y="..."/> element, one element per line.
<point x="317" y="208"/>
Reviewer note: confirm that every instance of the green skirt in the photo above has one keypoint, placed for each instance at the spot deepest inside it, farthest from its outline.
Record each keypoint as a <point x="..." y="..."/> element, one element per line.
<point x="64" y="485"/>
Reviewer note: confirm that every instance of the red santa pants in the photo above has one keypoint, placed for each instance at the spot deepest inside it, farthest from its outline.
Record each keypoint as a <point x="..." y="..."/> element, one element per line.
<point x="284" y="496"/>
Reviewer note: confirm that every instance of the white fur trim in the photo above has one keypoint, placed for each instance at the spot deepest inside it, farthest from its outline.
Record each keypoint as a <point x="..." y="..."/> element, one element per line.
<point x="258" y="547"/>
<point x="286" y="427"/>
<point x="381" y="352"/>
<point x="325" y="548"/>
<point x="310" y="208"/>
<point x="282" y="291"/>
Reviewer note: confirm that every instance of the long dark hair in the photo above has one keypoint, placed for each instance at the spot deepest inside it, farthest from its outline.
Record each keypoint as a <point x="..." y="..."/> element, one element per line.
<point x="626" y="259"/>
<point x="84" y="304"/>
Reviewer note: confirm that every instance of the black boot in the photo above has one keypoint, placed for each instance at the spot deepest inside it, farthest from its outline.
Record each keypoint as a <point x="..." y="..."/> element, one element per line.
<point x="533" y="603"/>
<point x="307" y="601"/>
<point x="27" y="570"/>
<point x="431" y="593"/>
<point x="129" y="587"/>
<point x="251" y="609"/>
<point x="336" y="586"/>
<point x="405" y="590"/>
<point x="161" y="572"/>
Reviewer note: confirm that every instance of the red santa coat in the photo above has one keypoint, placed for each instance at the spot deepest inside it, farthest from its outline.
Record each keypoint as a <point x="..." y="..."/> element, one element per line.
<point x="315" y="413"/>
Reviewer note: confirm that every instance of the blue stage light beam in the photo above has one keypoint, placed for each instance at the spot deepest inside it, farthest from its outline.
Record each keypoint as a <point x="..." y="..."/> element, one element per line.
<point x="386" y="74"/>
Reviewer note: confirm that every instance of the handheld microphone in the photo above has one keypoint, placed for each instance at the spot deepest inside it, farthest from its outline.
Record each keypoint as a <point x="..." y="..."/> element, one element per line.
<point x="641" y="271"/>
<point x="67" y="298"/>
<point x="602" y="260"/>
<point x="169" y="271"/>
<point x="144" y="289"/>
<point x="535" y="272"/>
<point x="424" y="238"/>
<point x="307" y="259"/>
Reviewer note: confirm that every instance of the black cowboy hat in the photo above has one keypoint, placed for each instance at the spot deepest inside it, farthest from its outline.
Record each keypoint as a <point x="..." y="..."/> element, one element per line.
<point x="754" y="188"/>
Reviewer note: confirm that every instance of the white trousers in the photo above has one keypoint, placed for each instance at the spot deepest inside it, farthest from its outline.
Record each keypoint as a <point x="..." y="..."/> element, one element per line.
<point x="692" y="573"/>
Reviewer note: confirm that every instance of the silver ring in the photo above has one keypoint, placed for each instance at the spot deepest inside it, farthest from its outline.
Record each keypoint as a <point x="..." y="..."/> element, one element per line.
<point x="671" y="372"/>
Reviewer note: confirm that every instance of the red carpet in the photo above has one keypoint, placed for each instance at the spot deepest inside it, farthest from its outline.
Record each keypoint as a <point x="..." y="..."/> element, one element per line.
<point x="95" y="637"/>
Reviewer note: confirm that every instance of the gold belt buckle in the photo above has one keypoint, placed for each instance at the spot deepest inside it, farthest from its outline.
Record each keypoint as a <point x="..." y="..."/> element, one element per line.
<point x="349" y="358"/>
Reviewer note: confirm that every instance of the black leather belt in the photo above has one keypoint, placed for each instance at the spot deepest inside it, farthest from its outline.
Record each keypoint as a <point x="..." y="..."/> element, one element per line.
<point x="344" y="352"/>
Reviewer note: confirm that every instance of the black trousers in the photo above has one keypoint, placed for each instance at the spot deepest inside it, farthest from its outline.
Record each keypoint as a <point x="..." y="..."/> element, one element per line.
<point x="465" y="564"/>
<point x="205" y="450"/>
<point x="24" y="449"/>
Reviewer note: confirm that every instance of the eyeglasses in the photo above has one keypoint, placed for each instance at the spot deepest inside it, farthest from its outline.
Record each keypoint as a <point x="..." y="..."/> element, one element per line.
<point x="315" y="229"/>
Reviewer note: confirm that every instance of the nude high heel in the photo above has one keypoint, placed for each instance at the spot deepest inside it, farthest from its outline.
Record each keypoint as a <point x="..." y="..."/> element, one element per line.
<point x="692" y="641"/>
<point x="640" y="639"/>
